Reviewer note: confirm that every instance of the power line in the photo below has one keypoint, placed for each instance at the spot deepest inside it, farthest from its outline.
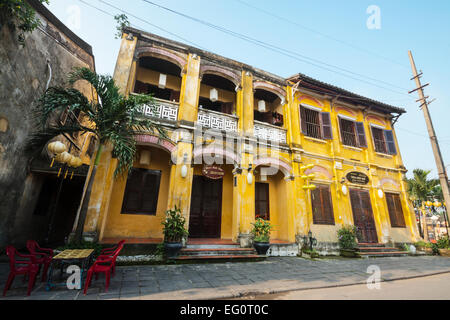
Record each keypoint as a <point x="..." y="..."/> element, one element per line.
<point x="291" y="54"/>
<point x="284" y="19"/>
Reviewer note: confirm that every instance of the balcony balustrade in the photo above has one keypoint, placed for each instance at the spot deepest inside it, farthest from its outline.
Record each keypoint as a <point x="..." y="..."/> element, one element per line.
<point x="270" y="132"/>
<point x="217" y="120"/>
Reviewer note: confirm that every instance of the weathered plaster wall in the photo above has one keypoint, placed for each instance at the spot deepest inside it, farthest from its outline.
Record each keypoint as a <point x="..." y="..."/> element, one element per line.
<point x="23" y="77"/>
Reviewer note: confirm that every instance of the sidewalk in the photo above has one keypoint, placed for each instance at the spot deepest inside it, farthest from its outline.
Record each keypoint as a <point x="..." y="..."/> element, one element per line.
<point x="228" y="280"/>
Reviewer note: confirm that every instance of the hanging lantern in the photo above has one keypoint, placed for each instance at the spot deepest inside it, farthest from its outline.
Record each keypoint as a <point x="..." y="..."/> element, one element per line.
<point x="64" y="157"/>
<point x="75" y="162"/>
<point x="437" y="204"/>
<point x="428" y="203"/>
<point x="261" y="106"/>
<point x="380" y="193"/>
<point x="57" y="147"/>
<point x="213" y="95"/>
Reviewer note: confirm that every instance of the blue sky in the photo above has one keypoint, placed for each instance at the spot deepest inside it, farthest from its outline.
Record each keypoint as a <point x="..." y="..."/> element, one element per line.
<point x="334" y="32"/>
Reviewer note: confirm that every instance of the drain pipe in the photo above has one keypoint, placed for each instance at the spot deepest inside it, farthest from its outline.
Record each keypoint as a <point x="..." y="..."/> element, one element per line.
<point x="50" y="74"/>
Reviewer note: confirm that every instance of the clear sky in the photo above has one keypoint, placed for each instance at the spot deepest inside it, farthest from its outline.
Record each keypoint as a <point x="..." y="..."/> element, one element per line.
<point x="333" y="32"/>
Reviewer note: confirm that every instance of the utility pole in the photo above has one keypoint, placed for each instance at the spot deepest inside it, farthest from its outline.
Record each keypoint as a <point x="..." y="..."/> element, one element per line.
<point x="434" y="142"/>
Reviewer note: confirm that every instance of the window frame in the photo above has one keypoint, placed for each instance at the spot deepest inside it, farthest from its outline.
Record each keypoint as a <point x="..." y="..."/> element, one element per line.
<point x="320" y="124"/>
<point x="125" y="206"/>
<point x="355" y="134"/>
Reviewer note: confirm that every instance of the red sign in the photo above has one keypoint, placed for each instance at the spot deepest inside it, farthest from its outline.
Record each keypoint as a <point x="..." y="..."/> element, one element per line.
<point x="213" y="172"/>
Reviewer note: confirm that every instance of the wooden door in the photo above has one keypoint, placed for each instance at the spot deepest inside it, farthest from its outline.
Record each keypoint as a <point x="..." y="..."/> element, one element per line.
<point x="363" y="216"/>
<point x="206" y="208"/>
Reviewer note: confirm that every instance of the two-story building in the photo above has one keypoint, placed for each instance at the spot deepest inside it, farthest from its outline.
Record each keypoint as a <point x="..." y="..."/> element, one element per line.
<point x="246" y="143"/>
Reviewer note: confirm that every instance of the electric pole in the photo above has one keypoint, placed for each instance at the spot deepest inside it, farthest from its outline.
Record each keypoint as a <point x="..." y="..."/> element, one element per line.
<point x="434" y="142"/>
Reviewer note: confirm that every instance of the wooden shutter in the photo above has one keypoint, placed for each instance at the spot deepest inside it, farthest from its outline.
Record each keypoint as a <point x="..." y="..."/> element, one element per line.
<point x="141" y="192"/>
<point x="322" y="206"/>
<point x="395" y="210"/>
<point x="361" y="134"/>
<point x="303" y="119"/>
<point x="326" y="126"/>
<point x="262" y="206"/>
<point x="390" y="143"/>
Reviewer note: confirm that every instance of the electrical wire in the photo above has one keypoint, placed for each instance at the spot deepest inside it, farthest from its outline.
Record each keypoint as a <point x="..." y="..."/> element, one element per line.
<point x="289" y="53"/>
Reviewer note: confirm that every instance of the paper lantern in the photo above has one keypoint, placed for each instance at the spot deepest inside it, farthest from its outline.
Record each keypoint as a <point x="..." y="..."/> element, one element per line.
<point x="250" y="178"/>
<point x="162" y="81"/>
<point x="261" y="106"/>
<point x="344" y="190"/>
<point x="213" y="95"/>
<point x="64" y="157"/>
<point x="57" y="147"/>
<point x="380" y="193"/>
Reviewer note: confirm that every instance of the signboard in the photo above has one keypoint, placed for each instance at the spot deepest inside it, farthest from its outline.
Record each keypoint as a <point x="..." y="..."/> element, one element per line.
<point x="357" y="178"/>
<point x="213" y="172"/>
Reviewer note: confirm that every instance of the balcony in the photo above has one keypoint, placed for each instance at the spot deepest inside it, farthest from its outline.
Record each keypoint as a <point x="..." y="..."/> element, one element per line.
<point x="217" y="120"/>
<point x="163" y="109"/>
<point x="270" y="132"/>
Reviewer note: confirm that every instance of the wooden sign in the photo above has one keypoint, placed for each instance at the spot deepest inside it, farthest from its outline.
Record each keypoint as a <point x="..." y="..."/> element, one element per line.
<point x="213" y="172"/>
<point x="357" y="178"/>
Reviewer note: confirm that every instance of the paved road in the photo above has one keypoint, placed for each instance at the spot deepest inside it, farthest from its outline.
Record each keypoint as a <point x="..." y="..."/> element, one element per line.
<point x="228" y="280"/>
<point x="424" y="288"/>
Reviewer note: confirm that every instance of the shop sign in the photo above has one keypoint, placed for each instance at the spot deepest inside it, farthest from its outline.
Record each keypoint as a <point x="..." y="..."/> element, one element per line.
<point x="357" y="178"/>
<point x="213" y="172"/>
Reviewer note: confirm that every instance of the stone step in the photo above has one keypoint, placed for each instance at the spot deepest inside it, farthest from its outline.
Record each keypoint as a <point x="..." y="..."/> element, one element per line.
<point x="377" y="249"/>
<point x="212" y="246"/>
<point x="249" y="257"/>
<point x="216" y="251"/>
<point x="378" y="245"/>
<point x="383" y="254"/>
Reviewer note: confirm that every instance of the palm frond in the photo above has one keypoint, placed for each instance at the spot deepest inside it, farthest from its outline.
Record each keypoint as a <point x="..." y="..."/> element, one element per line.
<point x="40" y="138"/>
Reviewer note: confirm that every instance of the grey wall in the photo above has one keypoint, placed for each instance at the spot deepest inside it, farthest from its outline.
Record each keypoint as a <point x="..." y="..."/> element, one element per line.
<point x="23" y="78"/>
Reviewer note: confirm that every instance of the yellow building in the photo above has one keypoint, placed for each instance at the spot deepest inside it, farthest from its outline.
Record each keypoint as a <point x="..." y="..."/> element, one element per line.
<point x="242" y="142"/>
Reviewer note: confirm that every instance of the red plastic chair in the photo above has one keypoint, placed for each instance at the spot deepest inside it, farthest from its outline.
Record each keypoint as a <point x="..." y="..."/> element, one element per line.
<point x="104" y="265"/>
<point x="42" y="256"/>
<point x="31" y="269"/>
<point x="110" y="253"/>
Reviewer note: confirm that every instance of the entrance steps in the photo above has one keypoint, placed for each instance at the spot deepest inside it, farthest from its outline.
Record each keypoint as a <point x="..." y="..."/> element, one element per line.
<point x="372" y="250"/>
<point x="222" y="251"/>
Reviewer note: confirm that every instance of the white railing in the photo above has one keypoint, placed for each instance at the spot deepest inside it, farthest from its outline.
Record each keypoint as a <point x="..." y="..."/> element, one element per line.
<point x="162" y="109"/>
<point x="270" y="132"/>
<point x="217" y="120"/>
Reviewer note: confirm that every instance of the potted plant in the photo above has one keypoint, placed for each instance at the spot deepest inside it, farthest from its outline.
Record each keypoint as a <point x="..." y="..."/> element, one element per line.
<point x="444" y="246"/>
<point x="174" y="232"/>
<point x="261" y="235"/>
<point x="347" y="241"/>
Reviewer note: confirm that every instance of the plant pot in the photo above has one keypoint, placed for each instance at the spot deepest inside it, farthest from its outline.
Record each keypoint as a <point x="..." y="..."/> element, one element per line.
<point x="349" y="253"/>
<point x="261" y="247"/>
<point x="444" y="252"/>
<point x="172" y="249"/>
<point x="428" y="250"/>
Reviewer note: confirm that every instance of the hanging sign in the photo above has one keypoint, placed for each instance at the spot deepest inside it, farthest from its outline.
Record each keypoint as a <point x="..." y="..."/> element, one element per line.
<point x="213" y="172"/>
<point x="357" y="178"/>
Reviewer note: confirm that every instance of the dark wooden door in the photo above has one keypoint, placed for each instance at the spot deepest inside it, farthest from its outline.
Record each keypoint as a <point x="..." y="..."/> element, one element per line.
<point x="363" y="216"/>
<point x="206" y="208"/>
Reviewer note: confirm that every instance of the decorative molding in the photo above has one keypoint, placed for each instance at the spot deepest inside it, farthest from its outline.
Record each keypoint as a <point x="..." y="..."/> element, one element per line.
<point x="162" y="110"/>
<point x="307" y="97"/>
<point x="264" y="85"/>
<point x="389" y="180"/>
<point x="270" y="133"/>
<point x="346" y="110"/>
<point x="155" y="141"/>
<point x="380" y="121"/>
<point x="320" y="169"/>
<point x="162" y="54"/>
<point x="216" y="120"/>
<point x="285" y="167"/>
<point x="221" y="72"/>
<point x="229" y="155"/>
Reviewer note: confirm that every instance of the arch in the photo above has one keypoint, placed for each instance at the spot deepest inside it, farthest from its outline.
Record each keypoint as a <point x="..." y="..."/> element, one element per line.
<point x="155" y="141"/>
<point x="221" y="72"/>
<point x="229" y="155"/>
<point x="163" y="54"/>
<point x="387" y="180"/>
<point x="263" y="85"/>
<point x="377" y="120"/>
<point x="282" y="165"/>
<point x="320" y="169"/>
<point x="306" y="97"/>
<point x="351" y="112"/>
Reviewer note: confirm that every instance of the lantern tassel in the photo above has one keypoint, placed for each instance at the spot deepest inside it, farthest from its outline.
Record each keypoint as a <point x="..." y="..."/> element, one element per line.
<point x="71" y="176"/>
<point x="59" y="172"/>
<point x="51" y="164"/>
<point x="65" y="176"/>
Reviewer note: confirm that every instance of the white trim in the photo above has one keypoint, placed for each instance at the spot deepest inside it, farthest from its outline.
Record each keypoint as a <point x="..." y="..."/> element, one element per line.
<point x="377" y="126"/>
<point x="308" y="106"/>
<point x="347" y="118"/>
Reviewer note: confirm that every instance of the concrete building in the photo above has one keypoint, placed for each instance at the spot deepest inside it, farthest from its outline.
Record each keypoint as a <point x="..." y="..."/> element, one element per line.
<point x="269" y="139"/>
<point x="32" y="198"/>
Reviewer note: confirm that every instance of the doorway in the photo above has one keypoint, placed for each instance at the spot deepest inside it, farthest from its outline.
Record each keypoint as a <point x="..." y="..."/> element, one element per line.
<point x="206" y="208"/>
<point x="363" y="216"/>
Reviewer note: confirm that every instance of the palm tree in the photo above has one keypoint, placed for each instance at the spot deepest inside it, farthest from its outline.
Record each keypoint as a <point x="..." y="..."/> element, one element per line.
<point x="420" y="188"/>
<point x="113" y="119"/>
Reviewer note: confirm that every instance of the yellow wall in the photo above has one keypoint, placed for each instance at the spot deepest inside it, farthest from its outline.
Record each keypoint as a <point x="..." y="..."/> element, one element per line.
<point x="139" y="226"/>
